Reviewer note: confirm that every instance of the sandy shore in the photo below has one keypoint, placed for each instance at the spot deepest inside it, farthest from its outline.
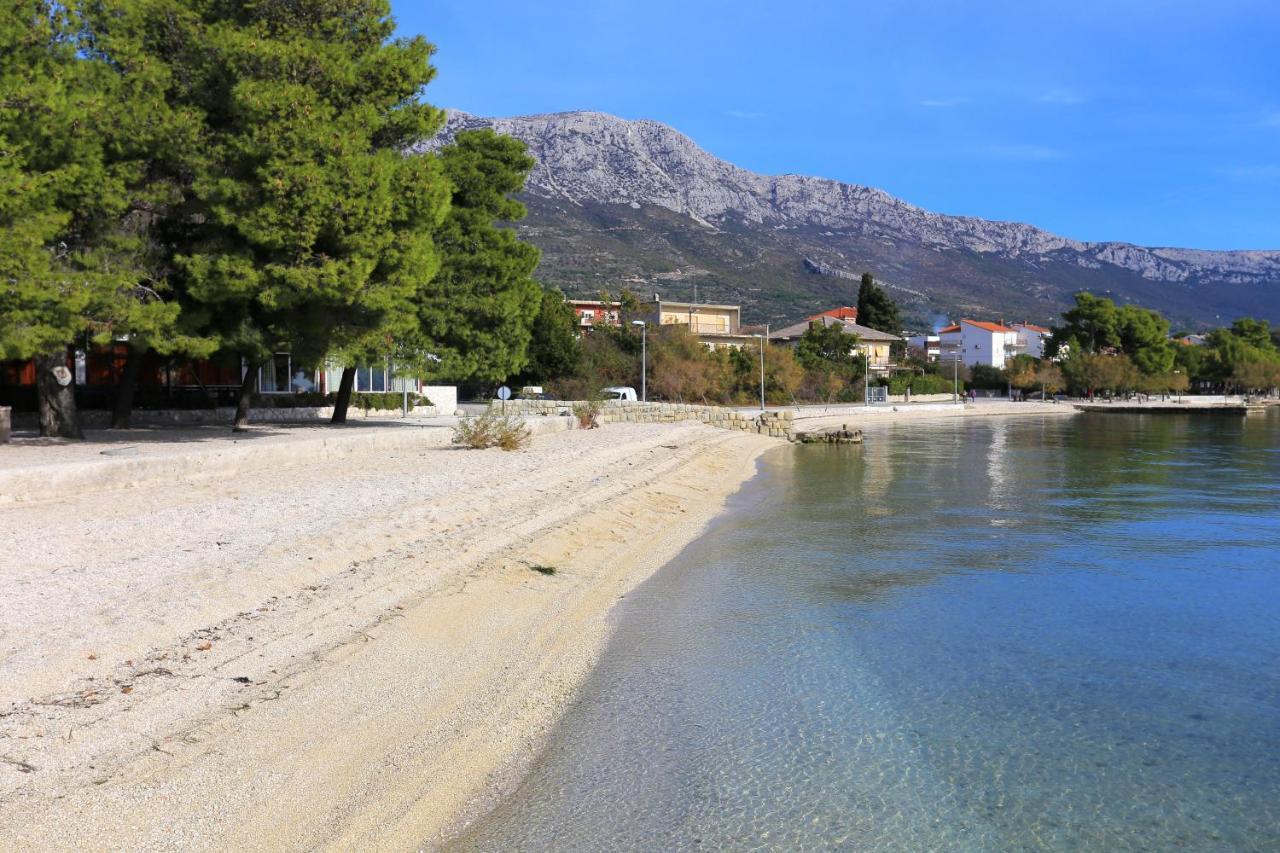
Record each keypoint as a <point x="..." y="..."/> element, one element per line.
<point x="347" y="654"/>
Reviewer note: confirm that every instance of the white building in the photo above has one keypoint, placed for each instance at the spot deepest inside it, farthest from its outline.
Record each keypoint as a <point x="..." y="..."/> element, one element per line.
<point x="974" y="342"/>
<point x="926" y="346"/>
<point x="1031" y="338"/>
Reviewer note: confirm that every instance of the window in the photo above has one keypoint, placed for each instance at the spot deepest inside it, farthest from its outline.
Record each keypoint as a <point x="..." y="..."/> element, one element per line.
<point x="371" y="379"/>
<point x="280" y="375"/>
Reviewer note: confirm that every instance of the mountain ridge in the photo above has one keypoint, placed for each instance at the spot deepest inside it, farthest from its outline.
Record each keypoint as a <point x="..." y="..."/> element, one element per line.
<point x="599" y="177"/>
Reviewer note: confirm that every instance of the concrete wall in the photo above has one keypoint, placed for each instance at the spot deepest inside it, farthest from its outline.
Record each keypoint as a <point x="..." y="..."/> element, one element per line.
<point x="444" y="398"/>
<point x="101" y="419"/>
<point x="776" y="424"/>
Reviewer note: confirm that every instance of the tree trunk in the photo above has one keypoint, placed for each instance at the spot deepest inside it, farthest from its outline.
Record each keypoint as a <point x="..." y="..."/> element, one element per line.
<point x="57" y="402"/>
<point x="122" y="413"/>
<point x="344" y="396"/>
<point x="244" y="397"/>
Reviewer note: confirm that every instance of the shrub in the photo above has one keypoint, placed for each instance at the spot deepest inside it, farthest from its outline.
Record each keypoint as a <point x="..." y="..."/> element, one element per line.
<point x="588" y="414"/>
<point x="491" y="430"/>
<point x="927" y="383"/>
<point x="390" y="401"/>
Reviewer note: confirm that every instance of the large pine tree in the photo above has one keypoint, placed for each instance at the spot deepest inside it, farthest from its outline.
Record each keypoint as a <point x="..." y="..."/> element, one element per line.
<point x="302" y="220"/>
<point x="75" y="190"/>
<point x="476" y="315"/>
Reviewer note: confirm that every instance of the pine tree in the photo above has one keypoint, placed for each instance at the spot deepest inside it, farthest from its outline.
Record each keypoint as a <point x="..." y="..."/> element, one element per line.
<point x="554" y="349"/>
<point x="303" y="224"/>
<point x="475" y="316"/>
<point x="77" y="132"/>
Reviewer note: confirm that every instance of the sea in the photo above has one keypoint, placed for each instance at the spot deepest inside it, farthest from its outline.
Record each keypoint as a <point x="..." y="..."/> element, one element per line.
<point x="1035" y="633"/>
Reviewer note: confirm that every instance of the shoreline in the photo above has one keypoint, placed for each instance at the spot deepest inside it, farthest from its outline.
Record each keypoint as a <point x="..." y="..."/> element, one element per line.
<point x="365" y="702"/>
<point x="376" y="689"/>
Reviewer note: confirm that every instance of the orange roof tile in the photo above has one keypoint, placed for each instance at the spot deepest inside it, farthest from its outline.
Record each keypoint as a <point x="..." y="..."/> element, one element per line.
<point x="948" y="329"/>
<point x="844" y="312"/>
<point x="990" y="327"/>
<point x="1033" y="327"/>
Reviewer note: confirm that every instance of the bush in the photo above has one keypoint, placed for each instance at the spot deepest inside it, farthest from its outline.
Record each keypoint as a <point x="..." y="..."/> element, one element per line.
<point x="388" y="402"/>
<point x="491" y="430"/>
<point x="985" y="376"/>
<point x="927" y="383"/>
<point x="588" y="414"/>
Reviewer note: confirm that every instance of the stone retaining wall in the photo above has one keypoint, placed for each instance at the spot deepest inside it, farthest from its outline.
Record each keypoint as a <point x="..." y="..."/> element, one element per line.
<point x="776" y="424"/>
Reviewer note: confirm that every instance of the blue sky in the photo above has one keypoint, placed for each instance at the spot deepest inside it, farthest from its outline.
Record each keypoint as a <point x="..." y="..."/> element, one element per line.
<point x="1156" y="123"/>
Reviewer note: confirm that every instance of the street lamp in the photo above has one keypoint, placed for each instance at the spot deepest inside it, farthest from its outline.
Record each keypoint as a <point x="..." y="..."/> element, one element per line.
<point x="644" y="358"/>
<point x="955" y="377"/>
<point x="866" y="376"/>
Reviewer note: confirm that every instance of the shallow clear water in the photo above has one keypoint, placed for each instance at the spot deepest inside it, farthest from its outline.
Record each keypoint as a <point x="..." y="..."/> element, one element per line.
<point x="1016" y="634"/>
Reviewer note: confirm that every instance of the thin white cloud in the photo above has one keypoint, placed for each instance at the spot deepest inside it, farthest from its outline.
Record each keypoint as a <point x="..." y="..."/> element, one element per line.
<point x="745" y="115"/>
<point x="942" y="103"/>
<point x="1061" y="97"/>
<point x="1030" y="153"/>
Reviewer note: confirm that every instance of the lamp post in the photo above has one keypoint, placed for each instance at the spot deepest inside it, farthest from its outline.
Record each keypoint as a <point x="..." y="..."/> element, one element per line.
<point x="644" y="358"/>
<point x="955" y="377"/>
<point x="866" y="376"/>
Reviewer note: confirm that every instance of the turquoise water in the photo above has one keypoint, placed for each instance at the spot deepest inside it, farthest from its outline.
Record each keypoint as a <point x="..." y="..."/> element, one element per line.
<point x="1010" y="635"/>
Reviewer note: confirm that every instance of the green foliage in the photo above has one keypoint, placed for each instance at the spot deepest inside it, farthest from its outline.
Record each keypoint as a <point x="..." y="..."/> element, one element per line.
<point x="491" y="430"/>
<point x="920" y="383"/>
<point x="827" y="346"/>
<point x="1144" y="337"/>
<point x="302" y="221"/>
<point x="875" y="309"/>
<point x="76" y="131"/>
<point x="554" y="349"/>
<point x="1093" y="324"/>
<point x="987" y="377"/>
<point x="476" y="315"/>
<point x="391" y="402"/>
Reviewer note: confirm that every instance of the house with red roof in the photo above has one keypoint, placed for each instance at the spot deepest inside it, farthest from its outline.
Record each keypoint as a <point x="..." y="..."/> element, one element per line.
<point x="973" y="342"/>
<point x="1032" y="338"/>
<point x="844" y="312"/>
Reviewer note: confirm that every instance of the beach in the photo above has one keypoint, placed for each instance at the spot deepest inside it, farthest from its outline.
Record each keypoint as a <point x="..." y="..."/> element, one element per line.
<point x="355" y="651"/>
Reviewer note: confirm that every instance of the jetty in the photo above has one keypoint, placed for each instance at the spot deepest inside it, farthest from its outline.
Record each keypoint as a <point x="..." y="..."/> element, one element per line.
<point x="1186" y="406"/>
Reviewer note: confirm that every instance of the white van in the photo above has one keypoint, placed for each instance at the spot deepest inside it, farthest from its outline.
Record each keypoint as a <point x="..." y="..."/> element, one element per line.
<point x="619" y="392"/>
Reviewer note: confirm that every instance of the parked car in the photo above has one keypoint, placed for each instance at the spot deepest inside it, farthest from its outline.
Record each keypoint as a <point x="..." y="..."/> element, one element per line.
<point x="619" y="392"/>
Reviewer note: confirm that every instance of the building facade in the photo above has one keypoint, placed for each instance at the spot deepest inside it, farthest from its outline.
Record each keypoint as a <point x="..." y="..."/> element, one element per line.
<point x="873" y="345"/>
<point x="975" y="342"/>
<point x="713" y="325"/>
<point x="1032" y="338"/>
<point x="589" y="313"/>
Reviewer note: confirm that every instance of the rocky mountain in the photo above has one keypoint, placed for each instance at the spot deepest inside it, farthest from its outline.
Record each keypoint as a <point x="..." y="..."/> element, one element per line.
<point x="616" y="203"/>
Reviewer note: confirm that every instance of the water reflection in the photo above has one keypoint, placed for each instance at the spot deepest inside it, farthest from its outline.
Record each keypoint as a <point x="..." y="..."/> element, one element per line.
<point x="859" y="658"/>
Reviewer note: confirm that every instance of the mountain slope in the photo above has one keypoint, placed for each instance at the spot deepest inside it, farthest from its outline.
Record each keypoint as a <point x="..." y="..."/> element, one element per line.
<point x="618" y="203"/>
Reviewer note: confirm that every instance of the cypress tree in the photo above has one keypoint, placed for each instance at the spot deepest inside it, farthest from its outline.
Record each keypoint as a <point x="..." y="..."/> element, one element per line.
<point x="875" y="309"/>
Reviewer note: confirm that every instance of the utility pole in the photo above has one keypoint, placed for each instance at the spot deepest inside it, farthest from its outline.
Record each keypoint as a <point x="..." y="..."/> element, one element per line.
<point x="644" y="358"/>
<point x="763" y="338"/>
